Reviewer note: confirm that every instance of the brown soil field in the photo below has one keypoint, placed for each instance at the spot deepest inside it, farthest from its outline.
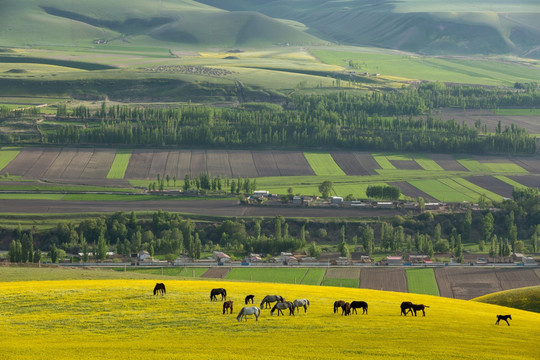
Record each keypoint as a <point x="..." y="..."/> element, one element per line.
<point x="77" y="165"/>
<point x="342" y="273"/>
<point x="529" y="123"/>
<point x="292" y="163"/>
<point x="492" y="184"/>
<point x="139" y="164"/>
<point x="184" y="164"/>
<point x="99" y="165"/>
<point x="265" y="163"/>
<point x="60" y="164"/>
<point x="349" y="163"/>
<point x="532" y="165"/>
<point x="198" y="162"/>
<point x="216" y="272"/>
<point x="388" y="279"/>
<point x="23" y="162"/>
<point x="368" y="162"/>
<point x="242" y="164"/>
<point x="532" y="181"/>
<point x="45" y="160"/>
<point x="492" y="159"/>
<point x="412" y="191"/>
<point x="447" y="162"/>
<point x="159" y="165"/>
<point x="217" y="162"/>
<point x="468" y="283"/>
<point x="406" y="165"/>
<point x="171" y="167"/>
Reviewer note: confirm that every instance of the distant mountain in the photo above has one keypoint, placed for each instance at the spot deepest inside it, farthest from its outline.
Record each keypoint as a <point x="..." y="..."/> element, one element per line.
<point x="429" y="27"/>
<point x="140" y="22"/>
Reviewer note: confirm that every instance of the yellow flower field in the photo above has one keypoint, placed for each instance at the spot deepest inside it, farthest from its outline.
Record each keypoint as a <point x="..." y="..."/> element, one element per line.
<point x="122" y="319"/>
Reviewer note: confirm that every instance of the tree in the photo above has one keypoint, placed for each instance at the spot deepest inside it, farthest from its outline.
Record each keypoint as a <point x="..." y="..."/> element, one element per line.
<point x="343" y="248"/>
<point x="367" y="240"/>
<point x="277" y="228"/>
<point x="325" y="188"/>
<point x="487" y="225"/>
<point x="257" y="229"/>
<point x="53" y="253"/>
<point x="187" y="182"/>
<point x="101" y="249"/>
<point x="314" y="250"/>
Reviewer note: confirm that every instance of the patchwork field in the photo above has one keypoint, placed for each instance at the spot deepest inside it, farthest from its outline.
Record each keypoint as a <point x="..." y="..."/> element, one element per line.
<point x="111" y="318"/>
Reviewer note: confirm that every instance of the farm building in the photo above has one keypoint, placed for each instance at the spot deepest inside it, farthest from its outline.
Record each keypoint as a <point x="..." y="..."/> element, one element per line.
<point x="418" y="259"/>
<point x="432" y="206"/>
<point x="181" y="260"/>
<point x="337" y="200"/>
<point x="343" y="261"/>
<point x="394" y="260"/>
<point x="297" y="200"/>
<point x="221" y="257"/>
<point x="260" y="193"/>
<point x="284" y="256"/>
<point x="308" y="260"/>
<point x="385" y="204"/>
<point x="291" y="260"/>
<point x="410" y="205"/>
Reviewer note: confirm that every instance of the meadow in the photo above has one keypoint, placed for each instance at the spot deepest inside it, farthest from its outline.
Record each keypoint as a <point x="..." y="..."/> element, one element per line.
<point x="120" y="164"/>
<point x="121" y="319"/>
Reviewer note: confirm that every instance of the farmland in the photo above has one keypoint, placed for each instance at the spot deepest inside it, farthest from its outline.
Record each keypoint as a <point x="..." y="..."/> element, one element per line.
<point x="107" y="317"/>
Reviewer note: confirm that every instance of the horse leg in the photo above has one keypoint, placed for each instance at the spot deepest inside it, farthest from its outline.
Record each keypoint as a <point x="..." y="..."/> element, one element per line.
<point x="423" y="312"/>
<point x="507" y="322"/>
<point x="497" y="322"/>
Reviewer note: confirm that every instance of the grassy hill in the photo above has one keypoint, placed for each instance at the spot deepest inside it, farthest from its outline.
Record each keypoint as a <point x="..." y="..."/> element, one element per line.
<point x="430" y="27"/>
<point x="151" y="23"/>
<point x="122" y="319"/>
<point x="524" y="298"/>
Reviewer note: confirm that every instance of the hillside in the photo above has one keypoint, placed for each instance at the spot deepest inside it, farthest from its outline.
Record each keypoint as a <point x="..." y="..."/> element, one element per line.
<point x="527" y="298"/>
<point x="141" y="23"/>
<point x="428" y="27"/>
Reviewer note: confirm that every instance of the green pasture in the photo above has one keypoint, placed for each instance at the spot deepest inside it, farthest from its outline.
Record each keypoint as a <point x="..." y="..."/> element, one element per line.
<point x="35" y="186"/>
<point x="477" y="189"/>
<point x="487" y="167"/>
<point x="510" y="181"/>
<point x="314" y="276"/>
<point x="462" y="188"/>
<point x="440" y="191"/>
<point x="122" y="197"/>
<point x="527" y="298"/>
<point x="25" y="196"/>
<point x="384" y="162"/>
<point x="427" y="163"/>
<point x="351" y="283"/>
<point x="120" y="164"/>
<point x="188" y="272"/>
<point x="7" y="154"/>
<point x="323" y="164"/>
<point x="422" y="281"/>
<point x="279" y="275"/>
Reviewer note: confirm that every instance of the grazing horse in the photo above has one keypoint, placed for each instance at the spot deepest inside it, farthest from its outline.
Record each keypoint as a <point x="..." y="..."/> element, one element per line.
<point x="406" y="306"/>
<point x="346" y="309"/>
<point x="359" y="304"/>
<point x="226" y="306"/>
<point x="248" y="298"/>
<point x="270" y="299"/>
<point x="338" y="304"/>
<point x="280" y="305"/>
<point x="418" y="307"/>
<point x="160" y="287"/>
<point x="250" y="310"/>
<point x="298" y="303"/>
<point x="503" y="317"/>
<point x="219" y="291"/>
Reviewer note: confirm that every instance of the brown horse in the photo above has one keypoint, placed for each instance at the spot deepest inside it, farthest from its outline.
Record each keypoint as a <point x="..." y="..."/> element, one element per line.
<point x="346" y="309"/>
<point x="503" y="317"/>
<point x="418" y="307"/>
<point x="406" y="306"/>
<point x="338" y="304"/>
<point x="359" y="304"/>
<point x="160" y="287"/>
<point x="249" y="298"/>
<point x="226" y="306"/>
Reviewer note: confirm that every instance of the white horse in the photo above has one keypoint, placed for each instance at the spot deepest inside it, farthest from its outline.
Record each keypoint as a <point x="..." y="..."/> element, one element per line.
<point x="298" y="303"/>
<point x="283" y="305"/>
<point x="250" y="310"/>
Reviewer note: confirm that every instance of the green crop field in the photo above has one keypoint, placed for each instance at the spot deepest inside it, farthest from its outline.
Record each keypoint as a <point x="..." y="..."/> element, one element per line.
<point x="281" y="275"/>
<point x="7" y="154"/>
<point x="440" y="191"/>
<point x="31" y="196"/>
<point x="477" y="189"/>
<point x="422" y="281"/>
<point x="516" y="112"/>
<point x="350" y="283"/>
<point x="426" y="163"/>
<point x="465" y="191"/>
<point x="510" y="181"/>
<point x="323" y="164"/>
<point x="120" y="164"/>
<point x="383" y="162"/>
<point x="314" y="276"/>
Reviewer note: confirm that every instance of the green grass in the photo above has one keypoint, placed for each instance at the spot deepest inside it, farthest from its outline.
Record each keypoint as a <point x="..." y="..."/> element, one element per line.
<point x="120" y="197"/>
<point x="427" y="163"/>
<point x="383" y="162"/>
<point x="351" y="283"/>
<point x="486" y="167"/>
<point x="478" y="190"/>
<point x="31" y="196"/>
<point x="440" y="191"/>
<point x="510" y="181"/>
<point x="422" y="281"/>
<point x="168" y="271"/>
<point x="7" y="154"/>
<point x="279" y="275"/>
<point x="314" y="276"/>
<point x="323" y="164"/>
<point x="527" y="298"/>
<point x="120" y="164"/>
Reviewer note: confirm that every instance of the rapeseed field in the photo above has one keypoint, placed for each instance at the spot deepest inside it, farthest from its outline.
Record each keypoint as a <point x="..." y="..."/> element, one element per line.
<point x="122" y="319"/>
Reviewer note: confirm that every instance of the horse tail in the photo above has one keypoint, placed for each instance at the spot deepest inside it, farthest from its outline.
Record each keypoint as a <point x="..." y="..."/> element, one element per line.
<point x="164" y="291"/>
<point x="225" y="294"/>
<point x="307" y="302"/>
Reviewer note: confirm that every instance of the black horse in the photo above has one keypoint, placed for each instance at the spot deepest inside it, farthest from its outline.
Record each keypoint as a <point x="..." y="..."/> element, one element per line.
<point x="359" y="304"/>
<point x="503" y="317"/>
<point x="219" y="291"/>
<point x="248" y="298"/>
<point x="160" y="287"/>
<point x="418" y="307"/>
<point x="406" y="306"/>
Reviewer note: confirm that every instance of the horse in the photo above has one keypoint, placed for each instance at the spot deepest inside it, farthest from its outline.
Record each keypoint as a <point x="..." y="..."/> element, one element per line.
<point x="160" y="287"/>
<point x="338" y="304"/>
<point x="219" y="291"/>
<point x="418" y="307"/>
<point x="503" y="317"/>
<point x="250" y="310"/>
<point x="298" y="303"/>
<point x="280" y="305"/>
<point x="270" y="299"/>
<point x="359" y="304"/>
<point x="248" y="298"/>
<point x="346" y="309"/>
<point x="406" y="306"/>
<point x="226" y="306"/>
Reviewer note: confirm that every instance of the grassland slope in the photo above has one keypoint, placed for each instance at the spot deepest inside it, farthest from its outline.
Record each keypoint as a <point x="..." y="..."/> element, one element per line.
<point x="527" y="298"/>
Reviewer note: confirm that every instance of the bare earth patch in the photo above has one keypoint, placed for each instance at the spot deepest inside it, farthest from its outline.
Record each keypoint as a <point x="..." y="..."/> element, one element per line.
<point x="492" y="184"/>
<point x="412" y="191"/>
<point x="387" y="279"/>
<point x="265" y="163"/>
<point x="368" y="162"/>
<point x="532" y="181"/>
<point x="242" y="164"/>
<point x="139" y="164"/>
<point x="349" y="163"/>
<point x="292" y="163"/>
<point x="216" y="272"/>
<point x="406" y="165"/>
<point x="447" y="162"/>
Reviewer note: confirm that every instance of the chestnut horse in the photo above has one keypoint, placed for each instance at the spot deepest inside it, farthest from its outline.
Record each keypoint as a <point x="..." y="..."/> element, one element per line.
<point x="160" y="287"/>
<point x="346" y="309"/>
<point x="226" y="306"/>
<point x="338" y="304"/>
